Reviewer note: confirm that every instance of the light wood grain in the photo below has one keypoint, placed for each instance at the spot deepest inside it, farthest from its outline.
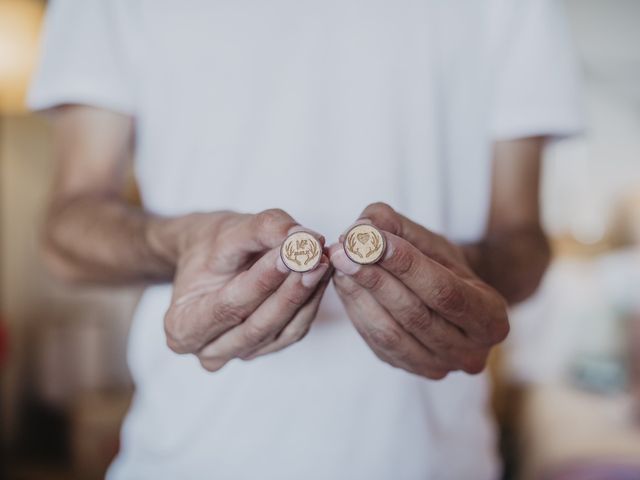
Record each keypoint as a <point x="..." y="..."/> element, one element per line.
<point x="364" y="244"/>
<point x="301" y="252"/>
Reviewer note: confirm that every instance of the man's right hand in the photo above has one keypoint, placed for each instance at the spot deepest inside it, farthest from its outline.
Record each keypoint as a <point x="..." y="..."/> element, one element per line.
<point x="233" y="297"/>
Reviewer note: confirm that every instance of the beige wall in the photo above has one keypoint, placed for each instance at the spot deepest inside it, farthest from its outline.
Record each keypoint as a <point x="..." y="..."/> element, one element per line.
<point x="63" y="339"/>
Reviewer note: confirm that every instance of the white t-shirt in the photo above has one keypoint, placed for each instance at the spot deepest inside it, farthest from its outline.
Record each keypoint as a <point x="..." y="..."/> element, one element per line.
<point x="376" y="100"/>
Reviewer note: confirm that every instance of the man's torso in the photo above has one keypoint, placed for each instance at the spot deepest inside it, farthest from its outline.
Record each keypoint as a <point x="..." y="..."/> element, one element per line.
<point x="319" y="108"/>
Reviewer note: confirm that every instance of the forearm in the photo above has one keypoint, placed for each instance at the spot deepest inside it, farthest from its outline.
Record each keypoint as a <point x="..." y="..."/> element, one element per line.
<point x="513" y="262"/>
<point x="105" y="240"/>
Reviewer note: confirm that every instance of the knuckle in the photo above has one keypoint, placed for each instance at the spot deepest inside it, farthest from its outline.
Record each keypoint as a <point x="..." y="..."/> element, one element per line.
<point x="380" y="207"/>
<point x="256" y="334"/>
<point x="501" y="330"/>
<point x="247" y="356"/>
<point x="495" y="330"/>
<point x="436" y="374"/>
<point x="271" y="219"/>
<point x="264" y="283"/>
<point x="177" y="336"/>
<point x="386" y="338"/>
<point x="383" y="214"/>
<point x="226" y="315"/>
<point x="402" y="356"/>
<point x="372" y="279"/>
<point x="474" y="365"/>
<point x="403" y="261"/>
<point x="294" y="334"/>
<point x="347" y="288"/>
<point x="449" y="299"/>
<point x="295" y="298"/>
<point x="431" y="371"/>
<point x="386" y="358"/>
<point x="211" y="364"/>
<point x="175" y="346"/>
<point x="416" y="317"/>
<point x="440" y="343"/>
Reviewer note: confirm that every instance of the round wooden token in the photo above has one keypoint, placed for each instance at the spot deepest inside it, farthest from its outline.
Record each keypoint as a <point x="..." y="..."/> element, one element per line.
<point x="364" y="244"/>
<point x="301" y="252"/>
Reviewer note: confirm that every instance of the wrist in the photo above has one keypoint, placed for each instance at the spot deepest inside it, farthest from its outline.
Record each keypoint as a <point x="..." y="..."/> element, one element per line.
<point x="169" y="237"/>
<point x="164" y="238"/>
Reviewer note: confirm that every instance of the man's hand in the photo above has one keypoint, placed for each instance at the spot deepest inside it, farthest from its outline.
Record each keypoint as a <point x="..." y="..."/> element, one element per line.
<point x="233" y="297"/>
<point x="421" y="308"/>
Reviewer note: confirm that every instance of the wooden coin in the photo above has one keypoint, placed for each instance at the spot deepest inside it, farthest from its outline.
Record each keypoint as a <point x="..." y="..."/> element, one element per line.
<point x="301" y="252"/>
<point x="364" y="244"/>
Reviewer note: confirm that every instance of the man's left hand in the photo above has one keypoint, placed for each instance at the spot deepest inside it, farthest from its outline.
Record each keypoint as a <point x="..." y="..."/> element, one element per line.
<point x="421" y="308"/>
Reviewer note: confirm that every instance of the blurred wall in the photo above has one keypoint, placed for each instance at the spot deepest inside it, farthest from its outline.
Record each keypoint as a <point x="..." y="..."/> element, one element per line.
<point x="586" y="179"/>
<point x="63" y="340"/>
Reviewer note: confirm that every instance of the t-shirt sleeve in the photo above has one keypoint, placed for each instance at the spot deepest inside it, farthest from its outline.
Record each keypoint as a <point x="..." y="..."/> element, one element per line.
<point x="84" y="58"/>
<point x="538" y="89"/>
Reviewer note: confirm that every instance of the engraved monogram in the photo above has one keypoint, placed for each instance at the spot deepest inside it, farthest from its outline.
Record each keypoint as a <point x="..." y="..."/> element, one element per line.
<point x="301" y="252"/>
<point x="364" y="244"/>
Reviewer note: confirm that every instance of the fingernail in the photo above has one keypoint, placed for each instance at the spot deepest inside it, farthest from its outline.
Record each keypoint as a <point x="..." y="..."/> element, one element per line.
<point x="280" y="266"/>
<point x="342" y="263"/>
<point x="389" y="251"/>
<point x="311" y="279"/>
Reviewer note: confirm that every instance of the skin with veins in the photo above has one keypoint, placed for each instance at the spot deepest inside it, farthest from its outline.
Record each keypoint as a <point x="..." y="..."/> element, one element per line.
<point x="427" y="305"/>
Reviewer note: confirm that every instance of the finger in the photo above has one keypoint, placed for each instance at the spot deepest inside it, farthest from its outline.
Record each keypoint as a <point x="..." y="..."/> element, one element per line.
<point x="383" y="335"/>
<point x="472" y="305"/>
<point x="260" y="232"/>
<point x="429" y="243"/>
<point x="195" y="319"/>
<point x="439" y="336"/>
<point x="438" y="287"/>
<point x="266" y="322"/>
<point x="208" y="310"/>
<point x="297" y="328"/>
<point x="435" y="285"/>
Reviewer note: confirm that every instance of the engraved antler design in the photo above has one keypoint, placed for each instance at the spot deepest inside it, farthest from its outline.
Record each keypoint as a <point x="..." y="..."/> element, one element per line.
<point x="312" y="252"/>
<point x="291" y="254"/>
<point x="375" y="244"/>
<point x="351" y="245"/>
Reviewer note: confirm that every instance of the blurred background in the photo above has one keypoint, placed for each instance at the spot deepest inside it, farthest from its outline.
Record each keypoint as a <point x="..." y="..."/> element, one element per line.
<point x="566" y="383"/>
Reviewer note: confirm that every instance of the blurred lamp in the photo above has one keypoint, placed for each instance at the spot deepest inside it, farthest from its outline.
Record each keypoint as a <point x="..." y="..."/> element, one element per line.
<point x="20" y="22"/>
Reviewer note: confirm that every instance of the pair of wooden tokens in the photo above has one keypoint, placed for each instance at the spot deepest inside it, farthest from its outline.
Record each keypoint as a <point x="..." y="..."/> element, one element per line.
<point x="363" y="244"/>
